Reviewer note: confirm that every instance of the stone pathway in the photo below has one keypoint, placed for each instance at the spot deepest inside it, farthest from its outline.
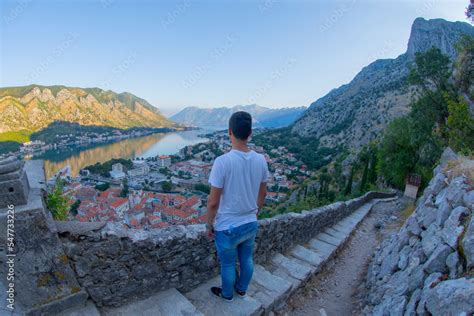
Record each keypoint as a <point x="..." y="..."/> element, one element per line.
<point x="340" y="288"/>
<point x="272" y="284"/>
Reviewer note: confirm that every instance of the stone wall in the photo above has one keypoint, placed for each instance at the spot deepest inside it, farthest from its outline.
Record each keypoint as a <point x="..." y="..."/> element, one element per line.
<point x="115" y="265"/>
<point x="35" y="271"/>
<point x="427" y="268"/>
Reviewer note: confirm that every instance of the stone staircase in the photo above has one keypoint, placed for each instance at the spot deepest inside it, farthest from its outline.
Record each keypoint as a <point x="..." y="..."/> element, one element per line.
<point x="271" y="284"/>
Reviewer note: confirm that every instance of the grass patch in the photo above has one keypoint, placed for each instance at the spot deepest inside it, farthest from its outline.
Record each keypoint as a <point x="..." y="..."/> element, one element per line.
<point x="22" y="136"/>
<point x="407" y="211"/>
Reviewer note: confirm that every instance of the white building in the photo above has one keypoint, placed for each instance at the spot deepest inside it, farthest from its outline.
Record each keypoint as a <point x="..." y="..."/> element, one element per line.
<point x="140" y="168"/>
<point x="117" y="172"/>
<point x="164" y="161"/>
<point x="120" y="206"/>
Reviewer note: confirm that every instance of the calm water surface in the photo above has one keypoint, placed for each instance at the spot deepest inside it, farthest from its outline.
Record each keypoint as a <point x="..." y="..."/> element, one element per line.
<point x="79" y="157"/>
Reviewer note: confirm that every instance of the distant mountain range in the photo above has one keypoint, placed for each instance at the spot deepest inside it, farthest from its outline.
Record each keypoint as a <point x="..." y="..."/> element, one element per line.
<point x="32" y="108"/>
<point x="357" y="112"/>
<point x="218" y="118"/>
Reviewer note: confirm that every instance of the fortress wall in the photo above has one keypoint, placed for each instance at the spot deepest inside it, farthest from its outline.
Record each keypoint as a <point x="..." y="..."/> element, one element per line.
<point x="115" y="265"/>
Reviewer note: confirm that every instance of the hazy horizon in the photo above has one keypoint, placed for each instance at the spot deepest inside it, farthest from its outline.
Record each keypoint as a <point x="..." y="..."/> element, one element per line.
<point x="207" y="54"/>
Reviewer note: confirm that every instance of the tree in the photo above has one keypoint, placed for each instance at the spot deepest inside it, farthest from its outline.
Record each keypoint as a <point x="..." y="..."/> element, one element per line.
<point x="348" y="189"/>
<point x="324" y="179"/>
<point x="125" y="188"/>
<point x="363" y="182"/>
<point x="432" y="70"/>
<point x="409" y="145"/>
<point x="58" y="204"/>
<point x="75" y="207"/>
<point x="460" y="127"/>
<point x="167" y="186"/>
<point x="397" y="154"/>
<point x="102" y="187"/>
<point x="372" y="176"/>
<point x="165" y="171"/>
<point x="412" y="144"/>
<point x="203" y="188"/>
<point x="463" y="76"/>
<point x="431" y="73"/>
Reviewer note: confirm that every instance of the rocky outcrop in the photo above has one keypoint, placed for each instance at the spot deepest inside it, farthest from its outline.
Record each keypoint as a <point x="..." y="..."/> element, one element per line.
<point x="358" y="112"/>
<point x="427" y="267"/>
<point x="438" y="33"/>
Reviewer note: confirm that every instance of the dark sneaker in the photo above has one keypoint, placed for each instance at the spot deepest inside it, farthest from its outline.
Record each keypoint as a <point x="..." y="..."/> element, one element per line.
<point x="217" y="291"/>
<point x="240" y="293"/>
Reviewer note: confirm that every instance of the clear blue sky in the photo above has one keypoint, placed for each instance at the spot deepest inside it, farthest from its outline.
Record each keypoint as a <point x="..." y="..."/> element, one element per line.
<point x="206" y="53"/>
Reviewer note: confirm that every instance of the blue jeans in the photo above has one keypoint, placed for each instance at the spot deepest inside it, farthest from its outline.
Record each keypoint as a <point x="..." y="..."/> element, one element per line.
<point x="230" y="243"/>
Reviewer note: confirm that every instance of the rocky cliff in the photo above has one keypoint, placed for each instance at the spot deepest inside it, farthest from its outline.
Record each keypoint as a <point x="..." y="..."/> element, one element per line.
<point x="357" y="112"/>
<point x="34" y="107"/>
<point x="427" y="268"/>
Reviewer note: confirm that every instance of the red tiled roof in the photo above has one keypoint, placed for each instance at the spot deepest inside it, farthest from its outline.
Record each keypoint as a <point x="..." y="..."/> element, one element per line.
<point x="119" y="202"/>
<point x="175" y="212"/>
<point x="159" y="225"/>
<point x="203" y="218"/>
<point x="110" y="192"/>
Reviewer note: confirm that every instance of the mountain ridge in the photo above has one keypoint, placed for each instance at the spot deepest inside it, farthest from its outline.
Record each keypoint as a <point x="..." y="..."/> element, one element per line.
<point x="219" y="116"/>
<point x="356" y="112"/>
<point x="34" y="107"/>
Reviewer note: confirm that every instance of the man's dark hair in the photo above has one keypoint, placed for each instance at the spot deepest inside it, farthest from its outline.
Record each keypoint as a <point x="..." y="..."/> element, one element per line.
<point x="241" y="124"/>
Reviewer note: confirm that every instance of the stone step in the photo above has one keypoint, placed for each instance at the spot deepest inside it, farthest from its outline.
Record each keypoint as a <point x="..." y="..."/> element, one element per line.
<point x="349" y="225"/>
<point x="345" y="227"/>
<point x="363" y="211"/>
<point x="292" y="269"/>
<point x="165" y="303"/>
<point x="349" y="221"/>
<point x="208" y="304"/>
<point x="309" y="256"/>
<point x="324" y="249"/>
<point x="329" y="239"/>
<point x="268" y="289"/>
<point x="338" y="234"/>
<point x="360" y="214"/>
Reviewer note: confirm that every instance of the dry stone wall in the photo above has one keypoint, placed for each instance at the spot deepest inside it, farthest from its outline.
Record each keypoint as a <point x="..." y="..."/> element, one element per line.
<point x="427" y="268"/>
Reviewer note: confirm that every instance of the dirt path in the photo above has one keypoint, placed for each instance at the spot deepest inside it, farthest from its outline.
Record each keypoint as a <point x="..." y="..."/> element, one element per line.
<point x="339" y="289"/>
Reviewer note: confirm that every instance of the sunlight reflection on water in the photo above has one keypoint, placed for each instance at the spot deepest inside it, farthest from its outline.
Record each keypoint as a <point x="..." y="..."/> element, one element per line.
<point x="147" y="146"/>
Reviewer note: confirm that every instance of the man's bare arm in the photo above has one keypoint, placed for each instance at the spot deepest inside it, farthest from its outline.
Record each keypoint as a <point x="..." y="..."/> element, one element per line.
<point x="213" y="204"/>
<point x="262" y="193"/>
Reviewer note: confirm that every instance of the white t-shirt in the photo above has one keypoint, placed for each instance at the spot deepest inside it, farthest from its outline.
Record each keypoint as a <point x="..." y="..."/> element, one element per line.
<point x="240" y="175"/>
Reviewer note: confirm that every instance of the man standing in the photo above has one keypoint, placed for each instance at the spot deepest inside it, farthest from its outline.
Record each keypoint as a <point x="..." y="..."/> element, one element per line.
<point x="238" y="189"/>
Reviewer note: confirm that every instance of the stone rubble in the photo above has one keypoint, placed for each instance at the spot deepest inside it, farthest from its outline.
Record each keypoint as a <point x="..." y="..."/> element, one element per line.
<point x="427" y="268"/>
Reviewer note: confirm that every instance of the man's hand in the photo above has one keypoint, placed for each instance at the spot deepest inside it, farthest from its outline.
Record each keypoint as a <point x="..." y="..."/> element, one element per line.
<point x="262" y="193"/>
<point x="210" y="230"/>
<point x="212" y="206"/>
